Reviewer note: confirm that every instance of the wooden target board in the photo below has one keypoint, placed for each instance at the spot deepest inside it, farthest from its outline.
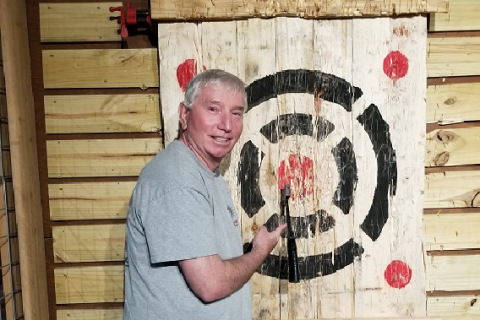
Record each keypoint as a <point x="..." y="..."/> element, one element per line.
<point x="337" y="110"/>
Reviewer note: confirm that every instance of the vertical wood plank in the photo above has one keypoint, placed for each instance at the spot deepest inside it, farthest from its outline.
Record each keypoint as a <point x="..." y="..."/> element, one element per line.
<point x="21" y="119"/>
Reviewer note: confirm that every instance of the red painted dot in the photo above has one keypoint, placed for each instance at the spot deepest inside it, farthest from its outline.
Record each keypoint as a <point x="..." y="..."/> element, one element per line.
<point x="186" y="71"/>
<point x="298" y="173"/>
<point x="395" y="65"/>
<point x="398" y="274"/>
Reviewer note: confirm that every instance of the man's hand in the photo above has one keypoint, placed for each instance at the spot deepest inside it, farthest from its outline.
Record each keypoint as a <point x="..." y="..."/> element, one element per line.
<point x="265" y="241"/>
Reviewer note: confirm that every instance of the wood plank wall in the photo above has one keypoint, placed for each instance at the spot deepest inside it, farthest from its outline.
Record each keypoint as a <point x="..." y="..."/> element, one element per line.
<point x="452" y="159"/>
<point x="99" y="121"/>
<point x="100" y="124"/>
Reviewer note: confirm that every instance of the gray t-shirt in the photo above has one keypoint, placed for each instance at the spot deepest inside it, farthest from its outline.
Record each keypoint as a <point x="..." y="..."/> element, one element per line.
<point x="179" y="210"/>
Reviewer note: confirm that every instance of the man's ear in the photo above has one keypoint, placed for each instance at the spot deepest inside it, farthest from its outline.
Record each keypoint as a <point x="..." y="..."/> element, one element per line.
<point x="183" y="115"/>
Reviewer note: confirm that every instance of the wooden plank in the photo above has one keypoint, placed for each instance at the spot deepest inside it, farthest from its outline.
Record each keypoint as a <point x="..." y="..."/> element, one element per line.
<point x="88" y="284"/>
<point x="25" y="171"/>
<point x="451" y="231"/>
<point x="116" y="314"/>
<point x="458" y="307"/>
<point x="462" y="15"/>
<point x="79" y="22"/>
<point x="102" y="113"/>
<point x="100" y="68"/>
<point x="89" y="200"/>
<point x="451" y="147"/>
<point x="102" y="157"/>
<point x="186" y="10"/>
<point x="452" y="189"/>
<point x="244" y="48"/>
<point x="453" y="56"/>
<point x="90" y="314"/>
<point x="88" y="243"/>
<point x="453" y="103"/>
<point x="452" y="273"/>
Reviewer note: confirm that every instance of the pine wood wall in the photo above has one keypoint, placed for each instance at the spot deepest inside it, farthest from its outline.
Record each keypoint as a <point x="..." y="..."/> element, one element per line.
<point x="98" y="122"/>
<point x="452" y="159"/>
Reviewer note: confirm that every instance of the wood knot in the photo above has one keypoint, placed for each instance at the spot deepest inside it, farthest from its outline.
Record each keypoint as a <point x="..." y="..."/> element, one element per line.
<point x="476" y="200"/>
<point x="449" y="101"/>
<point x="442" y="158"/>
<point x="446" y="136"/>
<point x="254" y="227"/>
<point x="472" y="302"/>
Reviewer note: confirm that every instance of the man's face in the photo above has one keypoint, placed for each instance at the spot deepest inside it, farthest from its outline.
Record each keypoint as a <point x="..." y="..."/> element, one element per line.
<point x="214" y="123"/>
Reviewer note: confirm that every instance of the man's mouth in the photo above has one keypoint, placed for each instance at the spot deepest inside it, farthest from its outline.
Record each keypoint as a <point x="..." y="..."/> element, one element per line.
<point x="221" y="139"/>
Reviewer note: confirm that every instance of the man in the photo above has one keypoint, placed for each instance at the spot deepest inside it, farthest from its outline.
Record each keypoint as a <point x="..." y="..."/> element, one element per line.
<point x="184" y="257"/>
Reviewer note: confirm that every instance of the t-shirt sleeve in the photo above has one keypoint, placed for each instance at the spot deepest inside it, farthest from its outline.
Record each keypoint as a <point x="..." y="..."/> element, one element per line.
<point x="179" y="225"/>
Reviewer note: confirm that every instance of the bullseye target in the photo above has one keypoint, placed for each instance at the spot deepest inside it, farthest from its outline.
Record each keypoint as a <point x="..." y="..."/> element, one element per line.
<point x="336" y="109"/>
<point x="340" y="93"/>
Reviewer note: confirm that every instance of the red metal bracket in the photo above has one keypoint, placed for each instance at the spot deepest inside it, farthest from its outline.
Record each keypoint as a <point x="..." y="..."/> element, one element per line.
<point x="132" y="18"/>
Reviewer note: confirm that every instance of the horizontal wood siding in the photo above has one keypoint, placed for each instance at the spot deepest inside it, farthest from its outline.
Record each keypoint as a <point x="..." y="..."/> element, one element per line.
<point x="89" y="243"/>
<point x="90" y="284"/>
<point x="452" y="231"/>
<point x="100" y="68"/>
<point x="185" y="9"/>
<point x="100" y="157"/>
<point x="89" y="200"/>
<point x="453" y="273"/>
<point x="452" y="197"/>
<point x="453" y="103"/>
<point x="462" y="15"/>
<point x="465" y="307"/>
<point x="90" y="314"/>
<point x="452" y="189"/>
<point x="102" y="113"/>
<point x="79" y="22"/>
<point x="453" y="56"/>
<point x="453" y="147"/>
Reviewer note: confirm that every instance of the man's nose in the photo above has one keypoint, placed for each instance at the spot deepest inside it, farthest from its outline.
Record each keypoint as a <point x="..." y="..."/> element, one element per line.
<point x="226" y="122"/>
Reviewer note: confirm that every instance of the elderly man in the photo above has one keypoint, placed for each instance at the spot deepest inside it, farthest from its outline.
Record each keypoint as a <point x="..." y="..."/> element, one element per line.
<point x="184" y="257"/>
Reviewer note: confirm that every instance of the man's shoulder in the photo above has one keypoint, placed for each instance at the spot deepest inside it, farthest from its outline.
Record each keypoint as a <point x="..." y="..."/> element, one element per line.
<point x="173" y="165"/>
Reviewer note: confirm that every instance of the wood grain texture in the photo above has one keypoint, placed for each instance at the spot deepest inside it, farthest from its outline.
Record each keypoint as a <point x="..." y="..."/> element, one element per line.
<point x="453" y="103"/>
<point x="89" y="284"/>
<point x="453" y="56"/>
<point x="90" y="314"/>
<point x="23" y="148"/>
<point x="450" y="147"/>
<point x="221" y="9"/>
<point x="97" y="284"/>
<point x="462" y="15"/>
<point x="280" y="58"/>
<point x="458" y="307"/>
<point x="452" y="273"/>
<point x="89" y="200"/>
<point x="79" y="22"/>
<point x="102" y="113"/>
<point x="452" y="189"/>
<point x="2" y="78"/>
<point x="88" y="243"/>
<point x="101" y="157"/>
<point x="100" y="68"/>
<point x="451" y="231"/>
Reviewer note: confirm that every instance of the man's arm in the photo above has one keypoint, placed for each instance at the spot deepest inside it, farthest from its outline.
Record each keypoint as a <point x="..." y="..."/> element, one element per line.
<point x="212" y="278"/>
